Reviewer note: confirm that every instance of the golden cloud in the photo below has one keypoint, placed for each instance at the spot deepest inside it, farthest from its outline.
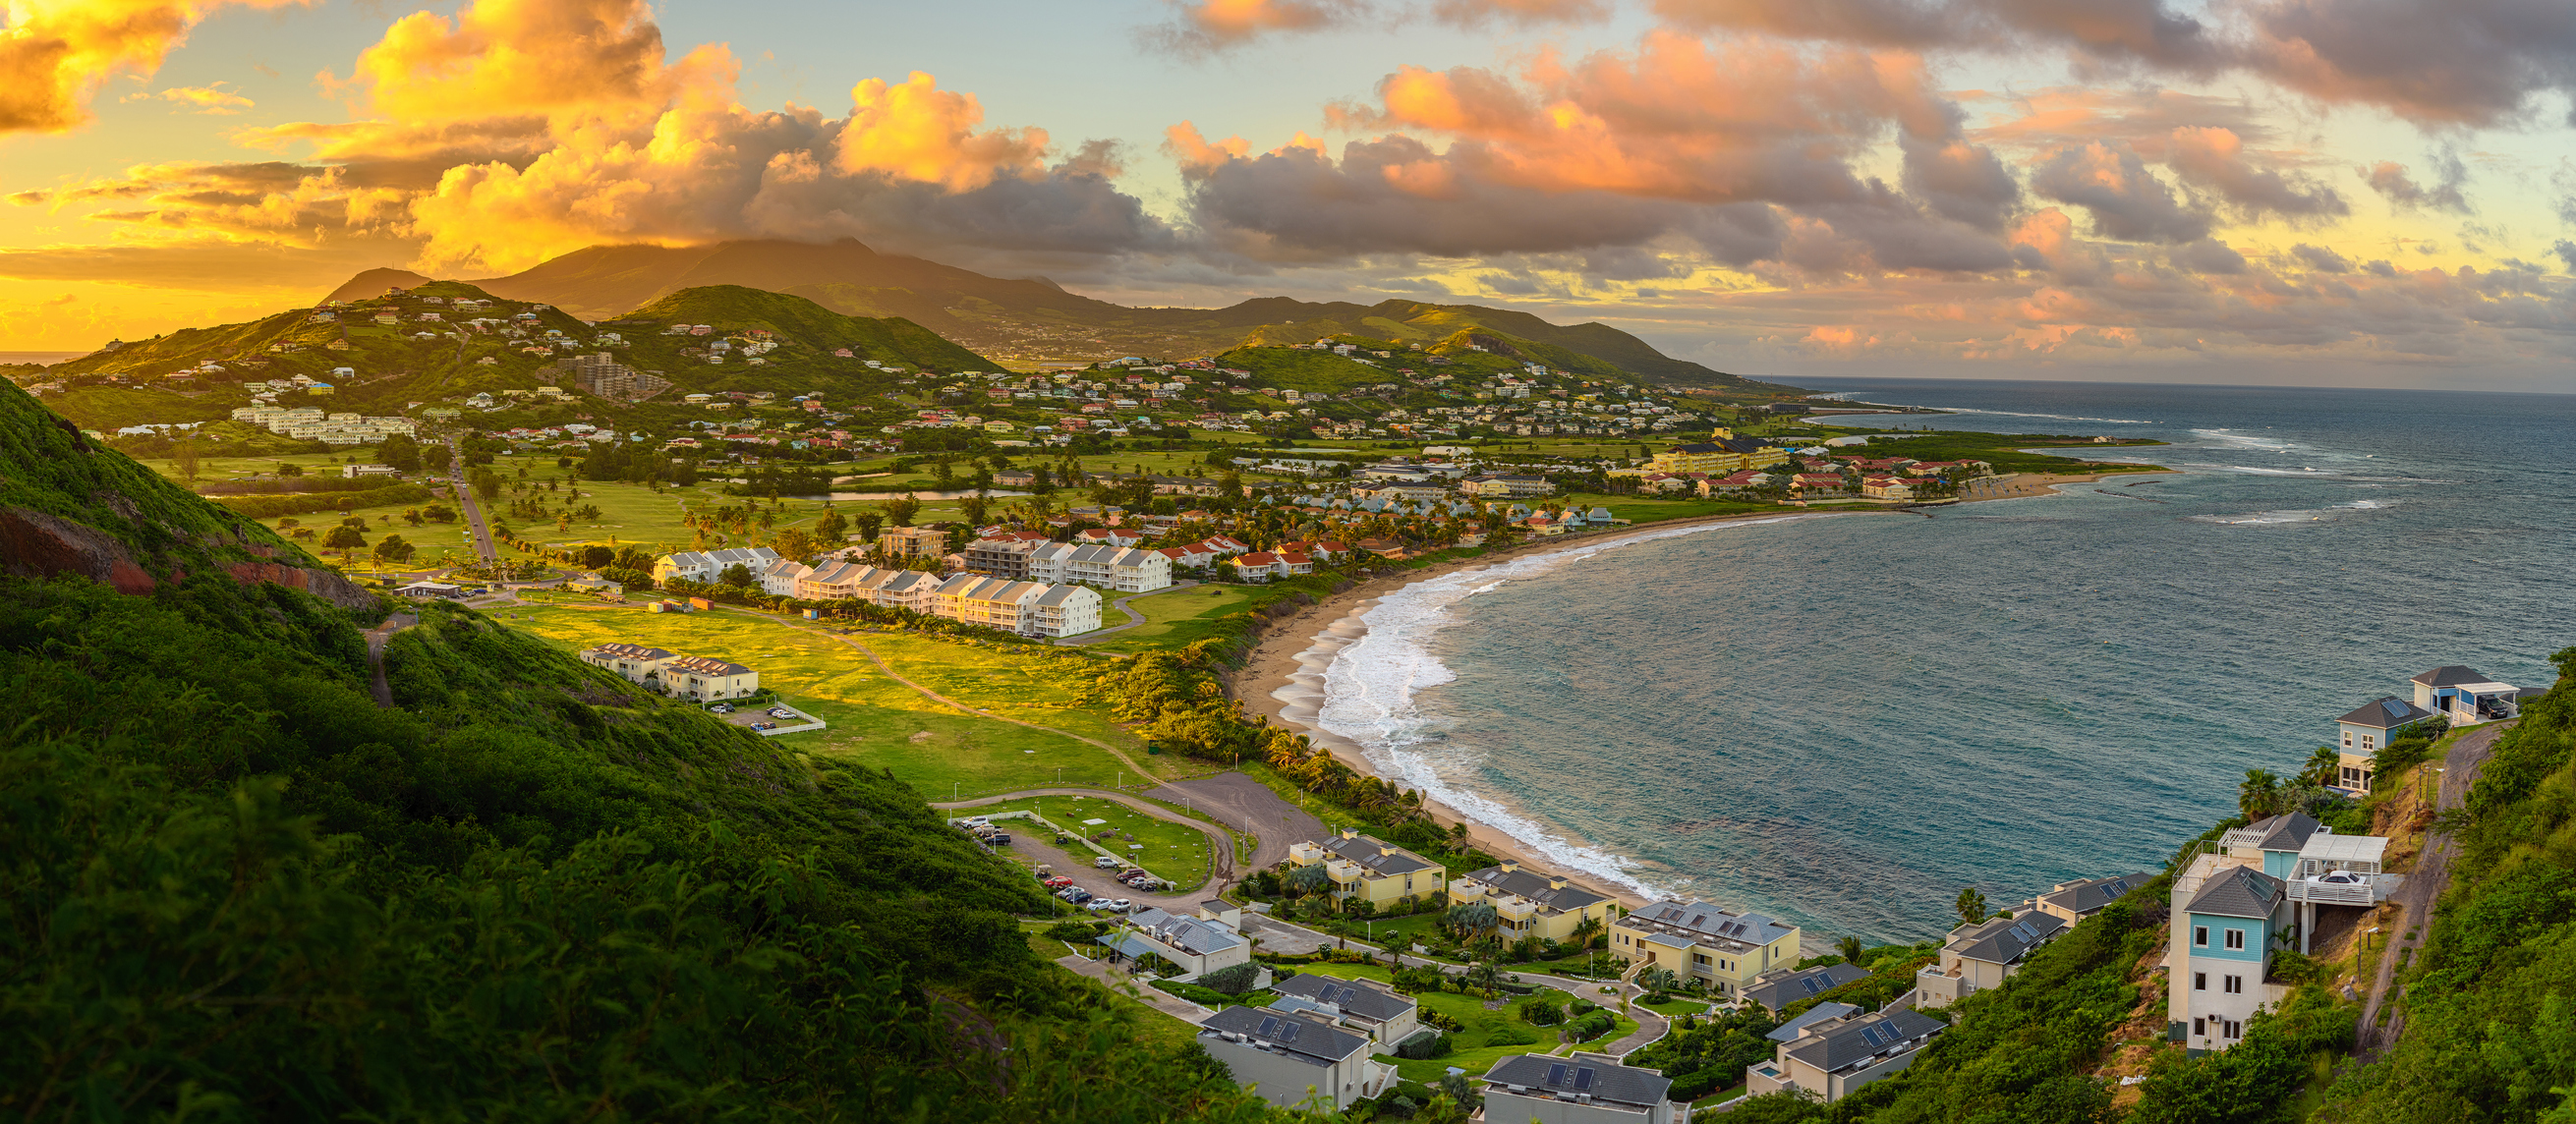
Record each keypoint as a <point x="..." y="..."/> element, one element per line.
<point x="917" y="131"/>
<point x="54" y="53"/>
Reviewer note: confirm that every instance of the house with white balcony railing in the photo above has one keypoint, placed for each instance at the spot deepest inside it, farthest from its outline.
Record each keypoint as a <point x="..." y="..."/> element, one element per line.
<point x="2466" y="696"/>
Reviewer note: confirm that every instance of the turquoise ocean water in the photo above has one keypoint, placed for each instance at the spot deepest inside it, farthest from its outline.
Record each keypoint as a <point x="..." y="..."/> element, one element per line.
<point x="1843" y="720"/>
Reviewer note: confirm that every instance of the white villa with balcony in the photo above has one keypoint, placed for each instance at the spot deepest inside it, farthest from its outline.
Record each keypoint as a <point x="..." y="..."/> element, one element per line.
<point x="2260" y="889"/>
<point x="1369" y="869"/>
<point x="2466" y="696"/>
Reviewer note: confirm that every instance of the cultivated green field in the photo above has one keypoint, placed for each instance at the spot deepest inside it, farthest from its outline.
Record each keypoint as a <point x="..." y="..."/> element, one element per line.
<point x="881" y="723"/>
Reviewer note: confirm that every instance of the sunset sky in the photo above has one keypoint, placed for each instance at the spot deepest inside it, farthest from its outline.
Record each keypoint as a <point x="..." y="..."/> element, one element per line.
<point x="2333" y="192"/>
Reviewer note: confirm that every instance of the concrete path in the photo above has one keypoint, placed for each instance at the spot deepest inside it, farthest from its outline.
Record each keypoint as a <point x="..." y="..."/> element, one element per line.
<point x="1134" y="618"/>
<point x="1250" y="806"/>
<point x="377" y="638"/>
<point x="1125" y="984"/>
<point x="2423" y="887"/>
<point x="465" y="498"/>
<point x="1222" y="868"/>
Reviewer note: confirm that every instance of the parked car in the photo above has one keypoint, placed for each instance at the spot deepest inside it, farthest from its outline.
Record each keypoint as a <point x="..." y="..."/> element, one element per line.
<point x="1081" y="895"/>
<point x="720" y="708"/>
<point x="764" y="725"/>
<point x="1058" y="882"/>
<point x="1120" y="905"/>
<point x="999" y="839"/>
<point x="1104" y="862"/>
<point x="781" y="712"/>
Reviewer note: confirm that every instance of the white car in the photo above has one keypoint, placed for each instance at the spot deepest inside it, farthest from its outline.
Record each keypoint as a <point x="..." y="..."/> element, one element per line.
<point x="1120" y="905"/>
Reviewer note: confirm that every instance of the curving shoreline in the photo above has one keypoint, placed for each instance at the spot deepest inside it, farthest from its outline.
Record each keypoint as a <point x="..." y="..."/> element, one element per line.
<point x="1283" y="677"/>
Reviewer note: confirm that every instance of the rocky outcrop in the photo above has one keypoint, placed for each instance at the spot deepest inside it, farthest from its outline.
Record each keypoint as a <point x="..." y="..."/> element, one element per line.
<point x="34" y="544"/>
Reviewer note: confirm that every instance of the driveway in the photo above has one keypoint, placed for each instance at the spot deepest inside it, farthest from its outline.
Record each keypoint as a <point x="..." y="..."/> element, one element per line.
<point x="1125" y="984"/>
<point x="1247" y="804"/>
<point x="2415" y="897"/>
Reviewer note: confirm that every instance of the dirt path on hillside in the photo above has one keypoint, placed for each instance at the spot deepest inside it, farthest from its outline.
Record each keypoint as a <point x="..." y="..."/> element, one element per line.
<point x="377" y="638"/>
<point x="2423" y="887"/>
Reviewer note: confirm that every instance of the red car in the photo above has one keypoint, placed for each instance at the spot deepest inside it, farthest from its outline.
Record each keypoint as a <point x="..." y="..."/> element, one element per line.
<point x="1057" y="883"/>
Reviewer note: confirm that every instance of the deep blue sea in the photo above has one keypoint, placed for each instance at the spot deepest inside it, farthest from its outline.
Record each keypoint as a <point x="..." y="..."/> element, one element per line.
<point x="1843" y="720"/>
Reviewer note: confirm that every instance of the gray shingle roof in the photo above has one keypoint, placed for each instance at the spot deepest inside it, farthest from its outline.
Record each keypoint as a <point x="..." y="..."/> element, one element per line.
<point x="2450" y="675"/>
<point x="2387" y="712"/>
<point x="1364" y="851"/>
<point x="2082" y="898"/>
<point x="1355" y="999"/>
<point x="1820" y="1013"/>
<point x="1803" y="985"/>
<point x="2004" y="940"/>
<point x="1597" y="1074"/>
<point x="1304" y="1037"/>
<point x="1707" y="924"/>
<point x="2237" y="891"/>
<point x="1535" y="886"/>
<point x="1864" y="1038"/>
<point x="1190" y="934"/>
<point x="2287" y="832"/>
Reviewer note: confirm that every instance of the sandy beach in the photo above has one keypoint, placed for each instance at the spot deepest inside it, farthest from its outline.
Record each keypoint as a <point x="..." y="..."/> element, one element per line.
<point x="1284" y="676"/>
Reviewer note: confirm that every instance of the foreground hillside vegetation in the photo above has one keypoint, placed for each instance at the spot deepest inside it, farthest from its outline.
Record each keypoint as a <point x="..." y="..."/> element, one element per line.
<point x="237" y="888"/>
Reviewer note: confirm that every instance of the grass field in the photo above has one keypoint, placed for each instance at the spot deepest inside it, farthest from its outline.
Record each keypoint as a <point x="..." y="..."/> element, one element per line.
<point x="1179" y="617"/>
<point x="1642" y="509"/>
<point x="1472" y="1051"/>
<point x="1171" y="851"/>
<point x="876" y="721"/>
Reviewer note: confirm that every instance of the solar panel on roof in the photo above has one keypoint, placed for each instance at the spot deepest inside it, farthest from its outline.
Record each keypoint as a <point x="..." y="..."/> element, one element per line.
<point x="1288" y="1030"/>
<point x="2394" y="708"/>
<point x="1810" y="983"/>
<point x="1879" y="1034"/>
<point x="1268" y="1027"/>
<point x="1327" y="994"/>
<point x="1583" y="1078"/>
<point x="1556" y="1075"/>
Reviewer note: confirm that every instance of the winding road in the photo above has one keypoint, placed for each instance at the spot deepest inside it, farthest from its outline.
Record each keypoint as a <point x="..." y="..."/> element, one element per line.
<point x="2423" y="887"/>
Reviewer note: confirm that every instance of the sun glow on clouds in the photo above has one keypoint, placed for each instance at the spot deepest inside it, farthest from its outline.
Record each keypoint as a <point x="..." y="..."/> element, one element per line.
<point x="1794" y="182"/>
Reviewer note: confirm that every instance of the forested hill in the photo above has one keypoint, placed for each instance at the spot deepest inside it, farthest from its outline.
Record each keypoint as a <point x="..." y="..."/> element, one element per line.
<point x="238" y="888"/>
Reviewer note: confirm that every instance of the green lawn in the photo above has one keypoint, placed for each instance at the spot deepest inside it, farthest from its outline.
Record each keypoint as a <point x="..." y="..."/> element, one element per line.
<point x="1177" y="618"/>
<point x="1171" y="851"/>
<point x="872" y="719"/>
<point x="1470" y="1050"/>
<point x="1644" y="509"/>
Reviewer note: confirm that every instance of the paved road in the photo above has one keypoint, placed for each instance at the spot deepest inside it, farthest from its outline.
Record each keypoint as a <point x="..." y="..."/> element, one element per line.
<point x="2423" y="887"/>
<point x="474" y="525"/>
<point x="1248" y="804"/>
<point x="377" y="637"/>
<point x="1119" y="981"/>
<point x="1134" y="618"/>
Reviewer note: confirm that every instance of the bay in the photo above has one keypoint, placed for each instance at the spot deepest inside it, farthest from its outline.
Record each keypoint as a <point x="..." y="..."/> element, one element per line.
<point x="1844" y="720"/>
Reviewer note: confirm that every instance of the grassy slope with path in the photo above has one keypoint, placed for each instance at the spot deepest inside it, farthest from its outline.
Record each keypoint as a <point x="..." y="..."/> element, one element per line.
<point x="877" y="721"/>
<point x="1178" y="618"/>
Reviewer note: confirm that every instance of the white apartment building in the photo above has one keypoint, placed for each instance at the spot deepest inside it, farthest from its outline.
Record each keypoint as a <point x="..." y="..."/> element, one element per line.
<point x="1067" y="610"/>
<point x="700" y="678"/>
<point x="707" y="565"/>
<point x="1124" y="569"/>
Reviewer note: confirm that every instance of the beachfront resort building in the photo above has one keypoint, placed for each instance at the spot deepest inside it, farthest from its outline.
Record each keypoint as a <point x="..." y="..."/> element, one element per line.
<point x="1981" y="955"/>
<point x="1697" y="941"/>
<point x="1531" y="903"/>
<point x="1582" y="1089"/>
<point x="1370" y="870"/>
<point x="1829" y="1058"/>
<point x="698" y="678"/>
<point x="1287" y="1058"/>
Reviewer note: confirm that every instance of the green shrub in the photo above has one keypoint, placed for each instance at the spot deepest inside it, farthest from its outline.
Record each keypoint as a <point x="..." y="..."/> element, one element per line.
<point x="1591" y="1026"/>
<point x="1541" y="1011"/>
<point x="1233" y="980"/>
<point x="1501" y="1033"/>
<point x="1423" y="1044"/>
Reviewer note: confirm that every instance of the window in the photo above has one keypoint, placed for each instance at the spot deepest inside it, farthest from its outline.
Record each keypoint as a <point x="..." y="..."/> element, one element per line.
<point x="2235" y="985"/>
<point x="2347" y="739"/>
<point x="2234" y="1029"/>
<point x="2200" y="981"/>
<point x="2236" y="939"/>
<point x="2200" y="936"/>
<point x="2365" y="741"/>
<point x="2200" y="1028"/>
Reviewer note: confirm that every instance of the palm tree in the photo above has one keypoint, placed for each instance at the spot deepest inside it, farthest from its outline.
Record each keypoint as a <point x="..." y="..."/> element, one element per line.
<point x="2323" y="767"/>
<point x="1585" y="930"/>
<point x="1850" y="946"/>
<point x="1469" y="918"/>
<point x="2259" y="796"/>
<point x="1971" y="906"/>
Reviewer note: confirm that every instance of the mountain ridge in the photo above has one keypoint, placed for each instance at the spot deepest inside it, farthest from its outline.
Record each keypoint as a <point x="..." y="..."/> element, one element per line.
<point x="1026" y="320"/>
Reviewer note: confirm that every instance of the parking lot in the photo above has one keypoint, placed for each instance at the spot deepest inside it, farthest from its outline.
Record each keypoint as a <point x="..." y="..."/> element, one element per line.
<point x="1035" y="846"/>
<point x="752" y="715"/>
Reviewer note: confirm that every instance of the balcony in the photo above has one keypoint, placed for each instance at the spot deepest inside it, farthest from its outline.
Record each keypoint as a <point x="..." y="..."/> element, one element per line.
<point x="1936" y="988"/>
<point x="1344" y="871"/>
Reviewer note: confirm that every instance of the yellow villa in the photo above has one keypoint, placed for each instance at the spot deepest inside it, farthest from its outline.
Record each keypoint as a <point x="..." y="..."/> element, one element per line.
<point x="1698" y="941"/>
<point x="1369" y="870"/>
<point x="1532" y="903"/>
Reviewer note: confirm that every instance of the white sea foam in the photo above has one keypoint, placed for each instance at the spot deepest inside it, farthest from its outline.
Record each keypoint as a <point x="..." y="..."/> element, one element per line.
<point x="2305" y="515"/>
<point x="1371" y="685"/>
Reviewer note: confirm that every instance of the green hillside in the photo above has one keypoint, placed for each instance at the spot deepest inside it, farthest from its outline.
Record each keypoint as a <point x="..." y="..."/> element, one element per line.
<point x="812" y="332"/>
<point x="236" y="887"/>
